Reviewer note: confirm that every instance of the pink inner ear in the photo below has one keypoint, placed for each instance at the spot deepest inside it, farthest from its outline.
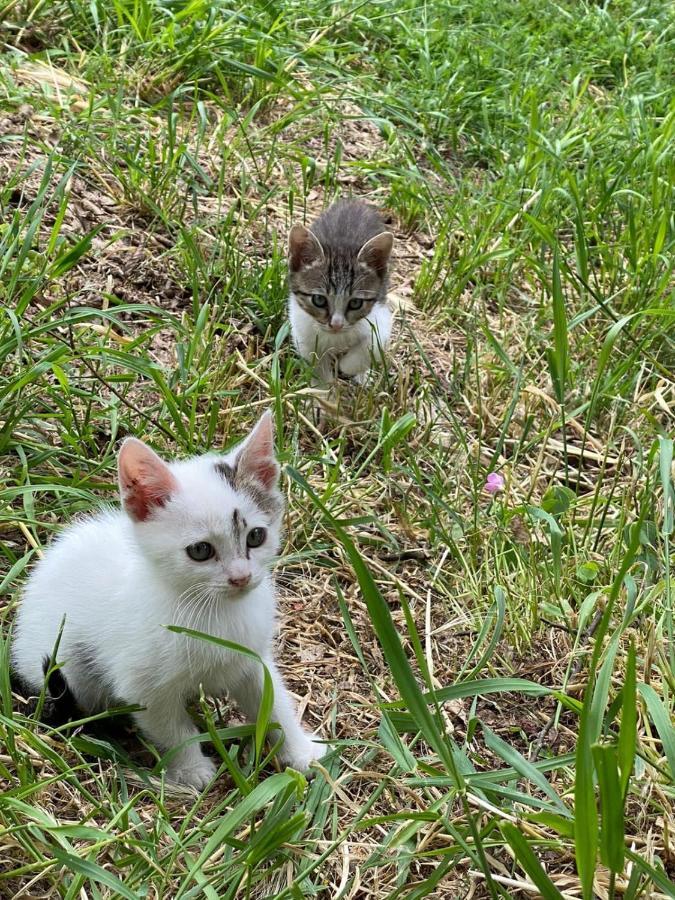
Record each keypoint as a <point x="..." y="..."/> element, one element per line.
<point x="303" y="248"/>
<point x="376" y="252"/>
<point x="267" y="473"/>
<point x="257" y="455"/>
<point x="145" y="481"/>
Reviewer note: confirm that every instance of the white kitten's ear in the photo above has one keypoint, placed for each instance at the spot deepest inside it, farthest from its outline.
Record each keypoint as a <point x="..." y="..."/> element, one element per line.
<point x="376" y="252"/>
<point x="303" y="248"/>
<point x="256" y="459"/>
<point x="145" y="480"/>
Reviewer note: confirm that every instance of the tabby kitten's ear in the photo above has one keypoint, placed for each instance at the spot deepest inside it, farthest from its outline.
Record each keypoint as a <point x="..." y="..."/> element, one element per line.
<point x="375" y="253"/>
<point x="303" y="248"/>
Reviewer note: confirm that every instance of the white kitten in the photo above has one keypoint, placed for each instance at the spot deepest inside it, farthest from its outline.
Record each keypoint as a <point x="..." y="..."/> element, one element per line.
<point x="191" y="547"/>
<point x="338" y="277"/>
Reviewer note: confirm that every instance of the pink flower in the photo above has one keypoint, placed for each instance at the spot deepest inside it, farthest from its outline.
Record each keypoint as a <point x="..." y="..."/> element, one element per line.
<point x="494" y="483"/>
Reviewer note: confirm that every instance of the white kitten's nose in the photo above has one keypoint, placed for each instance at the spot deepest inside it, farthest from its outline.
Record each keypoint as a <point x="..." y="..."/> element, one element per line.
<point x="240" y="581"/>
<point x="238" y="574"/>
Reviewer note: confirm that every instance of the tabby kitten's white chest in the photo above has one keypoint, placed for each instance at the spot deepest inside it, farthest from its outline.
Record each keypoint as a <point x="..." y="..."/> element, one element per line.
<point x="338" y="279"/>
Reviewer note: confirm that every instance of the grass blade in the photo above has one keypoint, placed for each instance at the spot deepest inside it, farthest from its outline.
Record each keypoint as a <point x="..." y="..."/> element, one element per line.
<point x="663" y="720"/>
<point x="628" y="730"/>
<point x="529" y="862"/>
<point x="611" y="807"/>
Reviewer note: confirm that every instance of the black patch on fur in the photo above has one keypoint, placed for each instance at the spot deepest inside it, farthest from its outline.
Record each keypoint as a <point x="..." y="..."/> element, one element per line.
<point x="228" y="473"/>
<point x="62" y="704"/>
<point x="118" y="732"/>
<point x="239" y="529"/>
<point x="239" y="523"/>
<point x="59" y="706"/>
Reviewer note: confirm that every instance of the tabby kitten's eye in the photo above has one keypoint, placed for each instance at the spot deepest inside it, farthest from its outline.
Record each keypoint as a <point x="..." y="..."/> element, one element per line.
<point x="256" y="537"/>
<point x="319" y="301"/>
<point x="201" y="551"/>
<point x="355" y="303"/>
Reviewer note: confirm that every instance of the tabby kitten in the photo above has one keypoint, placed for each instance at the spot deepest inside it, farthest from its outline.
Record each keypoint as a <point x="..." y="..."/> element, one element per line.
<point x="338" y="279"/>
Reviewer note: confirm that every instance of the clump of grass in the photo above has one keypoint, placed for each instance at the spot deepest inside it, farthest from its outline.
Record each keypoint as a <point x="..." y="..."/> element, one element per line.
<point x="495" y="671"/>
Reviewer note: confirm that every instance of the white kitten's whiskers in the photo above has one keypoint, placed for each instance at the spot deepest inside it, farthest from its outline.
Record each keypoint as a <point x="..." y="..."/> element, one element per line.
<point x="194" y="611"/>
<point x="119" y="577"/>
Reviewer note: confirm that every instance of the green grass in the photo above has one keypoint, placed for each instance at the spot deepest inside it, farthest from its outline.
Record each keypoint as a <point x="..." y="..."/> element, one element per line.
<point x="495" y="673"/>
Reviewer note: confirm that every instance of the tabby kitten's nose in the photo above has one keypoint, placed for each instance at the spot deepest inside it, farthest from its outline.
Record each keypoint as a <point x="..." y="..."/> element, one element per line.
<point x="337" y="323"/>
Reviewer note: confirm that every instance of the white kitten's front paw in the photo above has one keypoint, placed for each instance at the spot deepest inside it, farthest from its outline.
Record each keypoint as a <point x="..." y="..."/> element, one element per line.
<point x="301" y="752"/>
<point x="195" y="774"/>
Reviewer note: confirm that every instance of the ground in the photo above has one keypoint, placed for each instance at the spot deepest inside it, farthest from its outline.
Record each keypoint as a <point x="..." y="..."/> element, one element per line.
<point x="448" y="641"/>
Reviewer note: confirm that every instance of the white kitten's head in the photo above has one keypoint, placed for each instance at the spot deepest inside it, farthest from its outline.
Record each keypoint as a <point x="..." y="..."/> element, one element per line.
<point x="211" y="523"/>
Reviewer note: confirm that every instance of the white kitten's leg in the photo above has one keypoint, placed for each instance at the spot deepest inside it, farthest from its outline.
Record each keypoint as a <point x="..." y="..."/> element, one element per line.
<point x="168" y="724"/>
<point x="299" y="748"/>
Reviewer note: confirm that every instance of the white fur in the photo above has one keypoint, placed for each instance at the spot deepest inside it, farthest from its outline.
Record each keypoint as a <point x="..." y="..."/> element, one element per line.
<point x="352" y="349"/>
<point x="118" y="581"/>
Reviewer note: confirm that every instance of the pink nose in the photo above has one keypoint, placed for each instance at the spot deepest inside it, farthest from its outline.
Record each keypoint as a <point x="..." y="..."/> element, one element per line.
<point x="239" y="581"/>
<point x="336" y="326"/>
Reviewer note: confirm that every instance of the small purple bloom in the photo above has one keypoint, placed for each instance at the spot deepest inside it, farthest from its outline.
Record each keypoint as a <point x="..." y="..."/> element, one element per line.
<point x="494" y="483"/>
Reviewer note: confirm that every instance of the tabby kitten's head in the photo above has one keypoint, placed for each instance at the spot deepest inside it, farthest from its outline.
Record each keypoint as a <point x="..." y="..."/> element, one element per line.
<point x="338" y="269"/>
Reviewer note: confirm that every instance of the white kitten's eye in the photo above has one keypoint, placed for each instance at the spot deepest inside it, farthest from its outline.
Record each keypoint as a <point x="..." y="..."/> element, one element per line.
<point x="200" y="551"/>
<point x="256" y="537"/>
<point x="319" y="301"/>
<point x="355" y="303"/>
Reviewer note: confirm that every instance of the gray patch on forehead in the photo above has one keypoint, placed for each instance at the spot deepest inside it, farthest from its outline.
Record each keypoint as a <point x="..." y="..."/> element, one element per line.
<point x="269" y="502"/>
<point x="228" y="473"/>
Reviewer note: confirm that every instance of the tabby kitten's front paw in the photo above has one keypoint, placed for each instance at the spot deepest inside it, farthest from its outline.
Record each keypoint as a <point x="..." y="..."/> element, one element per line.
<point x="362" y="378"/>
